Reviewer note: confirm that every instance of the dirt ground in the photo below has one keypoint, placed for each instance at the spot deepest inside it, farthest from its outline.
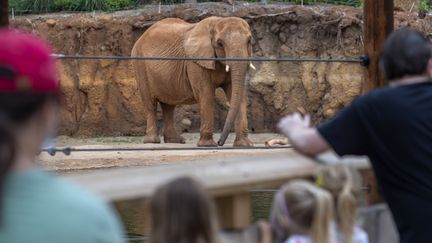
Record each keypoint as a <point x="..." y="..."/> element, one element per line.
<point x="88" y="161"/>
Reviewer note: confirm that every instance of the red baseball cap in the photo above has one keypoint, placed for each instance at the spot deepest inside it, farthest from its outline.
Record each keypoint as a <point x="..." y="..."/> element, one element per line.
<point x="26" y="64"/>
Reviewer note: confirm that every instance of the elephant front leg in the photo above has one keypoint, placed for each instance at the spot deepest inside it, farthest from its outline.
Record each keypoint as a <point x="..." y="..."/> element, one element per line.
<point x="241" y="122"/>
<point x="204" y="93"/>
<point x="206" y="104"/>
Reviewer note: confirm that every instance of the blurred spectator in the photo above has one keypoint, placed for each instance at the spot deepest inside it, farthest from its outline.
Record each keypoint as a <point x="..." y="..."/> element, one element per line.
<point x="391" y="125"/>
<point x="301" y="213"/>
<point x="182" y="212"/>
<point x="305" y="211"/>
<point x="344" y="184"/>
<point x="36" y="206"/>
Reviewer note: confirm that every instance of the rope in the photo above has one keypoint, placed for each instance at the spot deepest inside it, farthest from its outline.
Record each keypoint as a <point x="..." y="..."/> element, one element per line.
<point x="68" y="150"/>
<point x="360" y="60"/>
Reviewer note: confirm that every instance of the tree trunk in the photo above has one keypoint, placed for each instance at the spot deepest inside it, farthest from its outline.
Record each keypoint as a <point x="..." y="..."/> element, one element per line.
<point x="378" y="24"/>
<point x="4" y="13"/>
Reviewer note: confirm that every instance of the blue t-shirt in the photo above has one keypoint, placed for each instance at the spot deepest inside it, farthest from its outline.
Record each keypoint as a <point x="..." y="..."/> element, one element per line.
<point x="41" y="208"/>
<point x="393" y="126"/>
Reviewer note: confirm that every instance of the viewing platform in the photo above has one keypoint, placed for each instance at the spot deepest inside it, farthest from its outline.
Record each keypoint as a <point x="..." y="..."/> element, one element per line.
<point x="230" y="175"/>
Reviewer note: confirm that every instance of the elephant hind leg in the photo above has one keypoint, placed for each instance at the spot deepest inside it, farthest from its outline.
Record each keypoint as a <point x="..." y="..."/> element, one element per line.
<point x="170" y="134"/>
<point x="151" y="130"/>
<point x="150" y="104"/>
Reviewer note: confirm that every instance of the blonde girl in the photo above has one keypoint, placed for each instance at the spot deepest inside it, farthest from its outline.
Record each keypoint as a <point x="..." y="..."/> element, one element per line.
<point x="182" y="212"/>
<point x="344" y="184"/>
<point x="303" y="212"/>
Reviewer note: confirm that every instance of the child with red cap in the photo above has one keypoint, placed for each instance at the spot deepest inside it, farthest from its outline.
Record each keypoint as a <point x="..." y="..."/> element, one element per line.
<point x="36" y="206"/>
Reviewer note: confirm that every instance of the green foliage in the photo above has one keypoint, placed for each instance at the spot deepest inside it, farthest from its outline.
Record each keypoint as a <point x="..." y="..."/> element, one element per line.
<point x="28" y="5"/>
<point x="39" y="6"/>
<point x="117" y="4"/>
<point x="43" y="6"/>
<point x="425" y="5"/>
<point x="78" y="5"/>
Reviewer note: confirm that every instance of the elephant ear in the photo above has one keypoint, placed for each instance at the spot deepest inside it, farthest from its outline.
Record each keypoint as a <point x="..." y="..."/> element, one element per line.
<point x="198" y="43"/>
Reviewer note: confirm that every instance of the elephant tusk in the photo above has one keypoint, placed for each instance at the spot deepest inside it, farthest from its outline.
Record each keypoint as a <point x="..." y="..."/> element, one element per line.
<point x="227" y="68"/>
<point x="252" y="66"/>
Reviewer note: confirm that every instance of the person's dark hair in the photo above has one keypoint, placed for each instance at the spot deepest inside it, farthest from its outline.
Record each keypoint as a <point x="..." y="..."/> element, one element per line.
<point x="15" y="109"/>
<point x="405" y="52"/>
<point x="182" y="212"/>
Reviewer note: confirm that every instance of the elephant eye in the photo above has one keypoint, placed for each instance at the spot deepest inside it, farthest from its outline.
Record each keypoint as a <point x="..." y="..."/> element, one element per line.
<point x="220" y="44"/>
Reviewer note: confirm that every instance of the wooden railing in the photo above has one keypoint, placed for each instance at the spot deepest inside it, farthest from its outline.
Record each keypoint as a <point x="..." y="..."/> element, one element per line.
<point x="229" y="181"/>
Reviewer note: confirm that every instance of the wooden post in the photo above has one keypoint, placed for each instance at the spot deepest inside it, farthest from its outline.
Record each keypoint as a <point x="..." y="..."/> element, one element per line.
<point x="4" y="13"/>
<point x="234" y="211"/>
<point x="370" y="183"/>
<point x="378" y="24"/>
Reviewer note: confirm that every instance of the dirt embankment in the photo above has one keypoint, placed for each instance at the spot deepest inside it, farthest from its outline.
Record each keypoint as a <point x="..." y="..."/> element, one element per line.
<point x="101" y="97"/>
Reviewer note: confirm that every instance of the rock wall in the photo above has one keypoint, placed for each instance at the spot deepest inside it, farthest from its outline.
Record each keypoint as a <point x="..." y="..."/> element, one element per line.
<point x="101" y="96"/>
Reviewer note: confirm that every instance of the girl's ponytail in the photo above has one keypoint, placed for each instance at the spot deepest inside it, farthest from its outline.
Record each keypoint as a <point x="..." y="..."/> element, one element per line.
<point x="344" y="183"/>
<point x="310" y="210"/>
<point x="346" y="207"/>
<point x="321" y="230"/>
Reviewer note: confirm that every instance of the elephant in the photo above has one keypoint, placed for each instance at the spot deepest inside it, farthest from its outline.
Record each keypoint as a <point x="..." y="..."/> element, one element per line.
<point x="179" y="82"/>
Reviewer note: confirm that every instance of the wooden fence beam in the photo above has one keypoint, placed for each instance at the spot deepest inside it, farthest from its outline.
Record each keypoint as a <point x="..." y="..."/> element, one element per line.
<point x="378" y="24"/>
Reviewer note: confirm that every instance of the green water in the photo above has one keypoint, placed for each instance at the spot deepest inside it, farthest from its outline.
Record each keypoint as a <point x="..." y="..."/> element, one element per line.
<point x="261" y="205"/>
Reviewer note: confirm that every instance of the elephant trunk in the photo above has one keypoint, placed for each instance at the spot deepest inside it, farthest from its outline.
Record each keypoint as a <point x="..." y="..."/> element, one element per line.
<point x="238" y="75"/>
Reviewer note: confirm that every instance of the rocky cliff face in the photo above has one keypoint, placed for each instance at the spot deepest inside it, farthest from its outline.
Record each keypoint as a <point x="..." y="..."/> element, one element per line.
<point x="101" y="96"/>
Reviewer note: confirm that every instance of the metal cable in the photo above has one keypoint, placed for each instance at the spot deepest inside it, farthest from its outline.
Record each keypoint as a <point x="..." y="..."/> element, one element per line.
<point x="68" y="150"/>
<point x="359" y="60"/>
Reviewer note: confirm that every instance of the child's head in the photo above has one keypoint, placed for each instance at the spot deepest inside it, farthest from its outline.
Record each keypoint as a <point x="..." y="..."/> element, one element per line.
<point x="344" y="183"/>
<point x="182" y="211"/>
<point x="300" y="207"/>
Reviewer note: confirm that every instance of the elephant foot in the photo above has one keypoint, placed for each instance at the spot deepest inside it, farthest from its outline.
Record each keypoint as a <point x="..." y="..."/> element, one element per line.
<point x="207" y="143"/>
<point x="151" y="139"/>
<point x="243" y="142"/>
<point x="174" y="139"/>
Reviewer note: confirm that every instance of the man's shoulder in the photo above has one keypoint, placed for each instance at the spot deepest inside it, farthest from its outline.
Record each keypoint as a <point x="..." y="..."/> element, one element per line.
<point x="377" y="96"/>
<point x="389" y="92"/>
<point x="379" y="93"/>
